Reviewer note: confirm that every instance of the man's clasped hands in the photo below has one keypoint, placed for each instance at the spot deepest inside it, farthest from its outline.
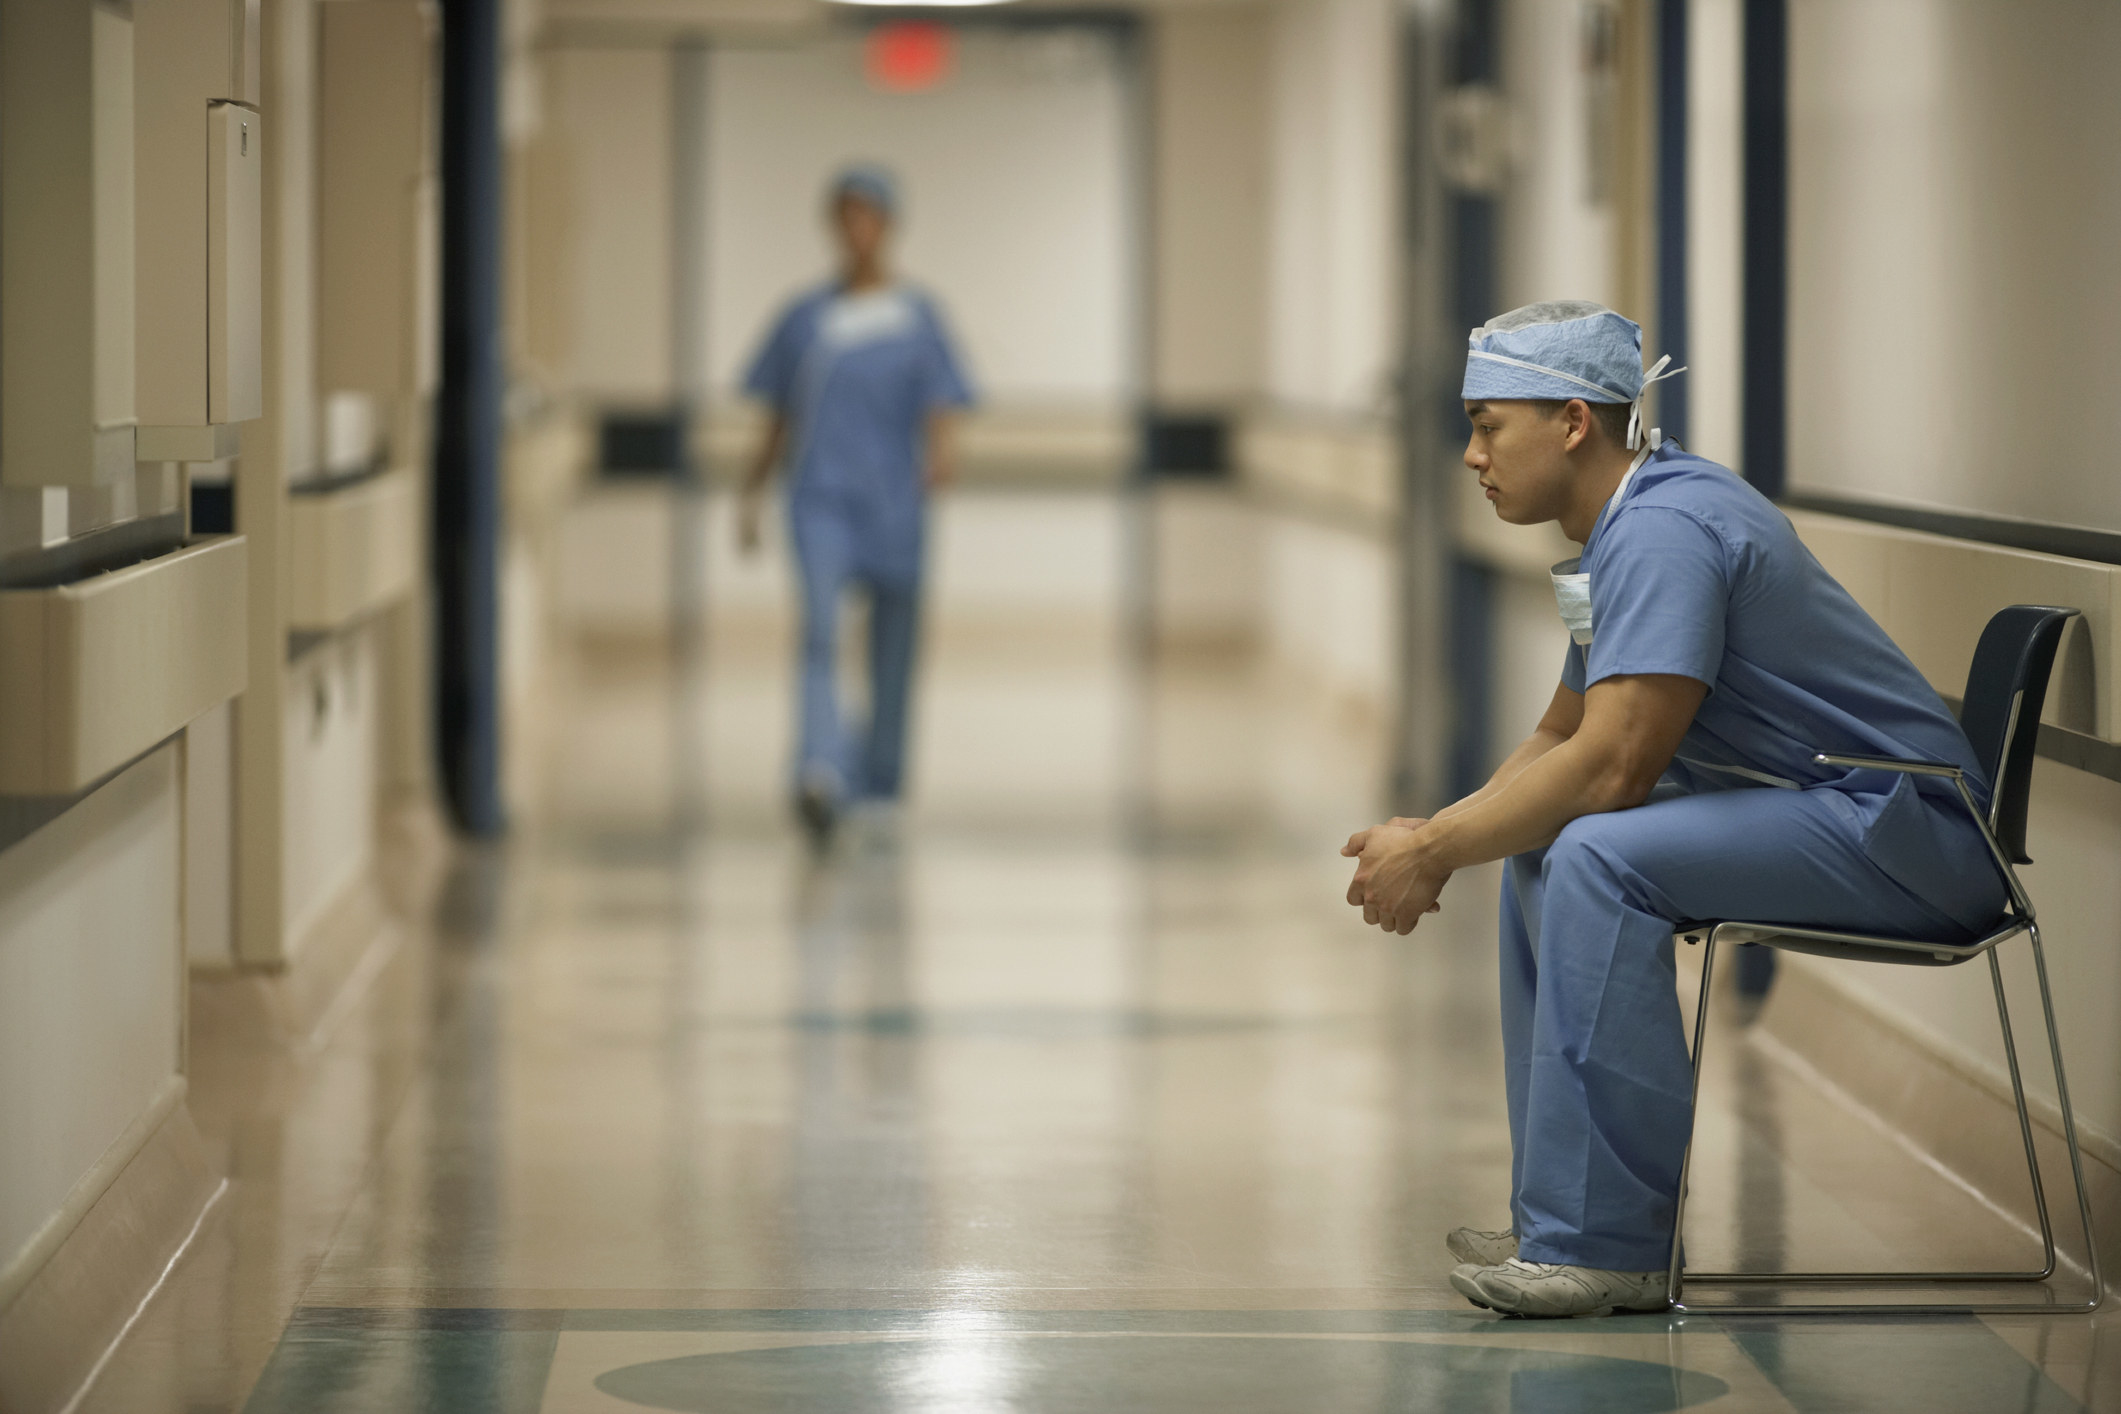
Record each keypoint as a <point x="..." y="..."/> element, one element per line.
<point x="1396" y="878"/>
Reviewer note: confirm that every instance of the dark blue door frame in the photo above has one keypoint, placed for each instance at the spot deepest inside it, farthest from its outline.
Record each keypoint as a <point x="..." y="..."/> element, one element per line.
<point x="1473" y="290"/>
<point x="467" y="455"/>
<point x="1766" y="260"/>
<point x="1673" y="404"/>
<point x="1765" y="298"/>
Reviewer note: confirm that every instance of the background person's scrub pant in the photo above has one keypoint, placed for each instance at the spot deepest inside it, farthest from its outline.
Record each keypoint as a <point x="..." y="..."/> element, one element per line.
<point x="1594" y="1048"/>
<point x="837" y="545"/>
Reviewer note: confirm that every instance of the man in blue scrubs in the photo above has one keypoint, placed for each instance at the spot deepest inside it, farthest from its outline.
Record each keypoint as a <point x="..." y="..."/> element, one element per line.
<point x="861" y="377"/>
<point x="1671" y="779"/>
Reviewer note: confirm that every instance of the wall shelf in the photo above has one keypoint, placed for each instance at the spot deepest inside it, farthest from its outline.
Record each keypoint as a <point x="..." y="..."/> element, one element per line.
<point x="352" y="549"/>
<point x="101" y="669"/>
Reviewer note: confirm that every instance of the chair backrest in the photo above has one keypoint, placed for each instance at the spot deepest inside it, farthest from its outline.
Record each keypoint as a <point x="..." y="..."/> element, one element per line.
<point x="2005" y="690"/>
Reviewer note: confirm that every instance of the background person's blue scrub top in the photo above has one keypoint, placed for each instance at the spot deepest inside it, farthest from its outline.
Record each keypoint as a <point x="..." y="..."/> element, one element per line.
<point x="857" y="377"/>
<point x="1696" y="573"/>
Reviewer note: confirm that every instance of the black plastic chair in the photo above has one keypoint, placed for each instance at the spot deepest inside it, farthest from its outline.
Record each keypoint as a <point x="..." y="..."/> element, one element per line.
<point x="2005" y="690"/>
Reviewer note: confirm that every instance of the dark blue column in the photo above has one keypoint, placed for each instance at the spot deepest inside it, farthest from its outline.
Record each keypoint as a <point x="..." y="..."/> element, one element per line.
<point x="1766" y="277"/>
<point x="1766" y="299"/>
<point x="1672" y="313"/>
<point x="467" y="480"/>
<point x="1473" y="298"/>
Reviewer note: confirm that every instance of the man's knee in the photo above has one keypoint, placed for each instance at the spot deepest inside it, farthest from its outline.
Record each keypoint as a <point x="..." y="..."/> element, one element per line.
<point x="1592" y="851"/>
<point x="1586" y="835"/>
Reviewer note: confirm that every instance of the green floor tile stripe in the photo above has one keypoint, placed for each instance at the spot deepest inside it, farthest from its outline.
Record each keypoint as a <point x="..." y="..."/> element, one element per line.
<point x="1952" y="1366"/>
<point x="426" y="1318"/>
<point x="352" y="1370"/>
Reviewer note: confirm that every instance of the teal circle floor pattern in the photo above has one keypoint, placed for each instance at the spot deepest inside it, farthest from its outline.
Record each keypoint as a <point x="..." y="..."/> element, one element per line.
<point x="1115" y="1374"/>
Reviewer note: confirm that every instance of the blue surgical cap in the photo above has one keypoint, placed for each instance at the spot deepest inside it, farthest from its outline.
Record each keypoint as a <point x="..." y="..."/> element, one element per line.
<point x="870" y="182"/>
<point x="1561" y="349"/>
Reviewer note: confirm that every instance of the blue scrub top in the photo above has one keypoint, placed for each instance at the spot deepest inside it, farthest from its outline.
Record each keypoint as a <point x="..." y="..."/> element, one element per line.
<point x="1696" y="573"/>
<point x="857" y="377"/>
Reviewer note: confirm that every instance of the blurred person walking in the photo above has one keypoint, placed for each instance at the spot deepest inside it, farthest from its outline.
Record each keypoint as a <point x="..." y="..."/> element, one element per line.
<point x="863" y="381"/>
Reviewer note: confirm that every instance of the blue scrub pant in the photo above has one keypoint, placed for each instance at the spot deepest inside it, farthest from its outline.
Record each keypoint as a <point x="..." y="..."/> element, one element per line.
<point x="1595" y="1053"/>
<point x="835" y="548"/>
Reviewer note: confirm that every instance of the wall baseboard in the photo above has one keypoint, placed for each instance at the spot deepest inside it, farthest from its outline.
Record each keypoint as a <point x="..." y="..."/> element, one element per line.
<point x="79" y="1300"/>
<point x="350" y="941"/>
<point x="1961" y="1118"/>
<point x="295" y="1005"/>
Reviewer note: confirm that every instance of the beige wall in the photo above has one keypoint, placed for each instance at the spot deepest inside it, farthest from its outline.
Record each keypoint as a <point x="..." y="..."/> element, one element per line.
<point x="290" y="82"/>
<point x="1954" y="306"/>
<point x="1332" y="262"/>
<point x="1017" y="177"/>
<point x="1561" y="232"/>
<point x="374" y="139"/>
<point x="608" y="111"/>
<point x="1715" y="211"/>
<point x="1018" y="214"/>
<point x="1209" y="322"/>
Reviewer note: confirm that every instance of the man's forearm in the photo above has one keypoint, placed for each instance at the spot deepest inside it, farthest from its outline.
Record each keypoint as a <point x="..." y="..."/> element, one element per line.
<point x="1538" y="744"/>
<point x="942" y="447"/>
<point x="1567" y="780"/>
<point x="769" y="455"/>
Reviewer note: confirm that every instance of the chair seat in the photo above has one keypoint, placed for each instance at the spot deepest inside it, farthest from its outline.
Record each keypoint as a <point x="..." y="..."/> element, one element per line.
<point x="1855" y="947"/>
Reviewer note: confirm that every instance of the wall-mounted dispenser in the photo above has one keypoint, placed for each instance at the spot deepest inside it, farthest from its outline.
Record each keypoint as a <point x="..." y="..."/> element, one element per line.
<point x="235" y="383"/>
<point x="201" y="156"/>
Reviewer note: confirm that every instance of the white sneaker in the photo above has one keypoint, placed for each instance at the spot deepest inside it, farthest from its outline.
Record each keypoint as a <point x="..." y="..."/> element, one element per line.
<point x="1519" y="1288"/>
<point x="1481" y="1249"/>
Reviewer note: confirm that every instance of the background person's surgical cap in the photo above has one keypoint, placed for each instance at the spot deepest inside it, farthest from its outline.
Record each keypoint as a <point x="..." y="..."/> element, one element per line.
<point x="869" y="182"/>
<point x="1556" y="350"/>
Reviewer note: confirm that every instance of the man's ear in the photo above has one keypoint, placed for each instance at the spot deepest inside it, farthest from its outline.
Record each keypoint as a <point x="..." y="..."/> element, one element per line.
<point x="1577" y="414"/>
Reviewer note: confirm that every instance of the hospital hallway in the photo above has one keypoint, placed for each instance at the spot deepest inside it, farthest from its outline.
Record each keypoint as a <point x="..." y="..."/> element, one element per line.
<point x="1081" y="1091"/>
<point x="681" y="683"/>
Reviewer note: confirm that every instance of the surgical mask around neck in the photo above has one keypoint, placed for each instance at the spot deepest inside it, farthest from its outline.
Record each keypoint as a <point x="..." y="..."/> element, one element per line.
<point x="1572" y="595"/>
<point x="1572" y="587"/>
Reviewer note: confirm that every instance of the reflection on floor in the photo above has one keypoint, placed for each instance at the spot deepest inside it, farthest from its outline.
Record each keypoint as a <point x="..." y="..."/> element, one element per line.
<point x="1079" y="1090"/>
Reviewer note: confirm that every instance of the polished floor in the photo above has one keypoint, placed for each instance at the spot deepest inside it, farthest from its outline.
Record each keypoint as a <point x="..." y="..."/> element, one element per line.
<point x="1077" y="1089"/>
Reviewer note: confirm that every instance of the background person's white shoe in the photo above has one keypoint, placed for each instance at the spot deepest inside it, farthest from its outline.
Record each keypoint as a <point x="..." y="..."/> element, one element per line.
<point x="1482" y="1249"/>
<point x="1520" y="1288"/>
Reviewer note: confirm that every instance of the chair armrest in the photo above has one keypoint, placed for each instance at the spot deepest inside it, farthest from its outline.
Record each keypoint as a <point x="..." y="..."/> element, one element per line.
<point x="1890" y="763"/>
<point x="1947" y="771"/>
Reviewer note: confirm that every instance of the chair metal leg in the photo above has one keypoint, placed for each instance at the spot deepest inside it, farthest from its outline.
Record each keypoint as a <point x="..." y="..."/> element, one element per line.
<point x="2025" y="1119"/>
<point x="1676" y="1275"/>
<point x="2069" y="1121"/>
